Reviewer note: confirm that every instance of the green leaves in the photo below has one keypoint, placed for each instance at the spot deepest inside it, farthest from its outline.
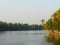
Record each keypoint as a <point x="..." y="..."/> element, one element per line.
<point x="53" y="24"/>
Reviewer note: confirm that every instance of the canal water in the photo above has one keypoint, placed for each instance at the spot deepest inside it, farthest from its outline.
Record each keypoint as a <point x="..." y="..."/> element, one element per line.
<point x="24" y="38"/>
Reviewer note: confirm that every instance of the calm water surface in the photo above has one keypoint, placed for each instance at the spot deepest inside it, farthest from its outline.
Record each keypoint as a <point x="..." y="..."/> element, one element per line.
<point x="24" y="38"/>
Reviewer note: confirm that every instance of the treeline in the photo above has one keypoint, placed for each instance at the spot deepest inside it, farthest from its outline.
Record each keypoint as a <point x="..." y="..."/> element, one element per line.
<point x="4" y="26"/>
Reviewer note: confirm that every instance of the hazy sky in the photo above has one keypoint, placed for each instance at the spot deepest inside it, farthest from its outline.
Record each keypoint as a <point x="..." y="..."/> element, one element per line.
<point x="27" y="11"/>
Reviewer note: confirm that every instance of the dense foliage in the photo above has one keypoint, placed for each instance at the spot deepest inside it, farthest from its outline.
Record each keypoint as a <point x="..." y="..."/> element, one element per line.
<point x="17" y="26"/>
<point x="54" y="22"/>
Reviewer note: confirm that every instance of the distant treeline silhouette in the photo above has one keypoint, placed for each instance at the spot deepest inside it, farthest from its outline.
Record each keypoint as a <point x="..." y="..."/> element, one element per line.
<point x="4" y="26"/>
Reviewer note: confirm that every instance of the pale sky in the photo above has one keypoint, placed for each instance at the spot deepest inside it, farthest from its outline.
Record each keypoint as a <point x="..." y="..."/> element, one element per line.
<point x="27" y="11"/>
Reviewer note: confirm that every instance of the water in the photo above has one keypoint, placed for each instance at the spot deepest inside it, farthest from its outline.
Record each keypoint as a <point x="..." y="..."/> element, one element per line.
<point x="24" y="38"/>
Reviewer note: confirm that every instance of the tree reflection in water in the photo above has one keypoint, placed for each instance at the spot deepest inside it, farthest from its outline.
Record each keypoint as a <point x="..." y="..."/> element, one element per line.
<point x="53" y="39"/>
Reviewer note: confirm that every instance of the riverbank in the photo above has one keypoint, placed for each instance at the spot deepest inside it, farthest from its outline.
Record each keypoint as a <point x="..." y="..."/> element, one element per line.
<point x="55" y="34"/>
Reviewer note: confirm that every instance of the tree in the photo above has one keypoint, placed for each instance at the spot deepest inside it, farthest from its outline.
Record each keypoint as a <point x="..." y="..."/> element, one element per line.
<point x="53" y="24"/>
<point x="42" y="21"/>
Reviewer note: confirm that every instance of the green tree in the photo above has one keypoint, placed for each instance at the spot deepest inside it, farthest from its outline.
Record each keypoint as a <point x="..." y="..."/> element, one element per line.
<point x="53" y="24"/>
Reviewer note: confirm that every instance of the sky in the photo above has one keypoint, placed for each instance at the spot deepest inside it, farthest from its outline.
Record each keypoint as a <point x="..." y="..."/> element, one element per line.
<point x="27" y="11"/>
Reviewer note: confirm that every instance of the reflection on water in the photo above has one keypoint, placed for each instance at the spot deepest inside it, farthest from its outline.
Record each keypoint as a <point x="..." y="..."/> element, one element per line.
<point x="53" y="39"/>
<point x="2" y="32"/>
<point x="25" y="38"/>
